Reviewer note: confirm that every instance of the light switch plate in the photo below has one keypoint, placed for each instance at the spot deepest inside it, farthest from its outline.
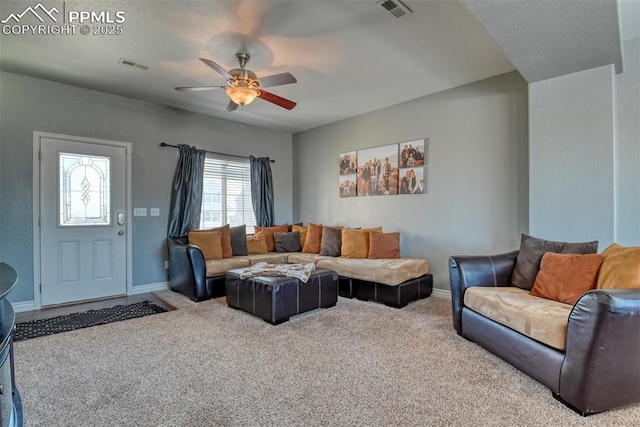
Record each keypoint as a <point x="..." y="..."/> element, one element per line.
<point x="155" y="211"/>
<point x="139" y="211"/>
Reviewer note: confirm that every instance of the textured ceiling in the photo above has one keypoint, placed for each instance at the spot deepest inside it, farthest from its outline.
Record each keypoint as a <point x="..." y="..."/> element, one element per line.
<point x="551" y="38"/>
<point x="349" y="56"/>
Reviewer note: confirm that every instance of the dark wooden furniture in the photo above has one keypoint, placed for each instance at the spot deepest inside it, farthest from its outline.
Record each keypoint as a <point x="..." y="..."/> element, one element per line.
<point x="276" y="299"/>
<point x="10" y="401"/>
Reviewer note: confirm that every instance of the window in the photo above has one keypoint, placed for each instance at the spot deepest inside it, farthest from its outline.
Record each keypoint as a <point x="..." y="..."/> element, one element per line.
<point x="84" y="190"/>
<point x="226" y="193"/>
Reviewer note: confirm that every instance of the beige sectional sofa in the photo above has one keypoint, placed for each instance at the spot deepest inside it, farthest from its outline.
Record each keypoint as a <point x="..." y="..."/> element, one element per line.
<point x="394" y="282"/>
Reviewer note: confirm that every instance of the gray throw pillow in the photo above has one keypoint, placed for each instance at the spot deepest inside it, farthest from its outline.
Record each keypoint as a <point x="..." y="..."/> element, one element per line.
<point x="287" y="242"/>
<point x="331" y="243"/>
<point x="239" y="240"/>
<point x="530" y="255"/>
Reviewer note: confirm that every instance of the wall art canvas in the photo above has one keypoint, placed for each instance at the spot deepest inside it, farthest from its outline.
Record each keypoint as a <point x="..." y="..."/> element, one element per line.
<point x="412" y="180"/>
<point x="348" y="165"/>
<point x="413" y="153"/>
<point x="378" y="171"/>
<point x="412" y="174"/>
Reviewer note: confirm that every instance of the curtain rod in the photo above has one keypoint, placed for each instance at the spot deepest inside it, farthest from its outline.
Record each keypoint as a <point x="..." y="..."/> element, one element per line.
<point x="164" y="144"/>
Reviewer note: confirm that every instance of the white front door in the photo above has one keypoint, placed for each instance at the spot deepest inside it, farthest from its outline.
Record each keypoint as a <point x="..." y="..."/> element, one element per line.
<point x="83" y="217"/>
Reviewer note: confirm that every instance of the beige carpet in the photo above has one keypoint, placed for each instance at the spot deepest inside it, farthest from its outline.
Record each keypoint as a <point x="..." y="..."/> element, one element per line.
<point x="356" y="364"/>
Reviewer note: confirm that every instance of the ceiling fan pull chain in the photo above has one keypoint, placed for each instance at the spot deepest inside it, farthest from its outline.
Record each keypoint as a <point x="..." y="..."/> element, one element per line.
<point x="241" y="117"/>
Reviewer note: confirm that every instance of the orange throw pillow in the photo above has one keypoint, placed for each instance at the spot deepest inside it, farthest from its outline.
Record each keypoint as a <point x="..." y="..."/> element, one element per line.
<point x="225" y="231"/>
<point x="210" y="242"/>
<point x="384" y="245"/>
<point x="257" y="244"/>
<point x="303" y="233"/>
<point x="355" y="242"/>
<point x="314" y="239"/>
<point x="566" y="277"/>
<point x="620" y="268"/>
<point x="269" y="232"/>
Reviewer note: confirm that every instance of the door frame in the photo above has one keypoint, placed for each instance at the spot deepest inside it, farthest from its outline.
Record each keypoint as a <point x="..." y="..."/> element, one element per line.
<point x="37" y="142"/>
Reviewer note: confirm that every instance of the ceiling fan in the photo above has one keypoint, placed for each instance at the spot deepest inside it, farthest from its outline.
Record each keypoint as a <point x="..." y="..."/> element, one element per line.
<point x="244" y="86"/>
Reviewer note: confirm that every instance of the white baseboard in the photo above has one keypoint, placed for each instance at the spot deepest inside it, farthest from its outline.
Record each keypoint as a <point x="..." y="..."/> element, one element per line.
<point x="150" y="287"/>
<point x="21" y="306"/>
<point x="441" y="293"/>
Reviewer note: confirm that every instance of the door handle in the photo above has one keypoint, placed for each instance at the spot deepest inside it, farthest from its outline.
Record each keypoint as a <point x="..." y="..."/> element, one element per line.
<point x="120" y="218"/>
<point x="121" y="233"/>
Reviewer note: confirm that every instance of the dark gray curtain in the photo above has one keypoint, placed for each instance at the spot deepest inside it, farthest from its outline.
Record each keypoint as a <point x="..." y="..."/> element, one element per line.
<point x="186" y="194"/>
<point x="262" y="190"/>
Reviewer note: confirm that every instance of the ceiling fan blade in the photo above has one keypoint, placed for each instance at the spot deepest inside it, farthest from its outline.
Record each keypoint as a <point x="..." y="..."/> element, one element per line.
<point x="224" y="73"/>
<point x="197" y="88"/>
<point x="275" y="99"/>
<point x="277" y="80"/>
<point x="231" y="106"/>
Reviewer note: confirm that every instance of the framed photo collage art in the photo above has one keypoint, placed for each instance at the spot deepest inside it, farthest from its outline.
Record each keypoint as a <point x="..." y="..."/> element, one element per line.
<point x="384" y="171"/>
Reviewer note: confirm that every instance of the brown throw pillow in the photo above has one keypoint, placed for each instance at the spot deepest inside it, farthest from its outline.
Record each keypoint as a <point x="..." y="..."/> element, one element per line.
<point x="331" y="243"/>
<point x="257" y="244"/>
<point x="303" y="233"/>
<point x="313" y="240"/>
<point x="210" y="242"/>
<point x="269" y="231"/>
<point x="566" y="277"/>
<point x="384" y="245"/>
<point x="531" y="251"/>
<point x="620" y="268"/>
<point x="355" y="242"/>
<point x="225" y="230"/>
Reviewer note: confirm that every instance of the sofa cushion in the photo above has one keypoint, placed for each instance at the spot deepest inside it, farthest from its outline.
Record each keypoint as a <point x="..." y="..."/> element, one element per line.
<point x="302" y="258"/>
<point x="239" y="240"/>
<point x="209" y="242"/>
<point x="313" y="240"/>
<point x="390" y="272"/>
<point x="331" y="242"/>
<point x="225" y="232"/>
<point x="620" y="268"/>
<point x="287" y="242"/>
<point x="538" y="318"/>
<point x="257" y="244"/>
<point x="303" y="233"/>
<point x="270" y="257"/>
<point x="219" y="267"/>
<point x="384" y="245"/>
<point x="269" y="231"/>
<point x="530" y="254"/>
<point x="566" y="277"/>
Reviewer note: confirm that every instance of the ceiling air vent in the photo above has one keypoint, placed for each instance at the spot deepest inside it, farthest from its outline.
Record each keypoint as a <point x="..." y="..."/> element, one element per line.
<point x="395" y="7"/>
<point x="133" y="64"/>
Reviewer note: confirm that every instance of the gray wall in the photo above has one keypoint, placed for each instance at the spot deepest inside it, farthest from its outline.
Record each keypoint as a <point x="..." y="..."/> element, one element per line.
<point x="584" y="154"/>
<point x="476" y="177"/>
<point x="29" y="104"/>
<point x="628" y="148"/>
<point x="571" y="143"/>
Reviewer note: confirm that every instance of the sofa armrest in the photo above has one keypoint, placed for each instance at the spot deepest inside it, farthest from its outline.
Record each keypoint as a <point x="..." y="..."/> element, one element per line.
<point x="468" y="271"/>
<point x="187" y="269"/>
<point x="602" y="364"/>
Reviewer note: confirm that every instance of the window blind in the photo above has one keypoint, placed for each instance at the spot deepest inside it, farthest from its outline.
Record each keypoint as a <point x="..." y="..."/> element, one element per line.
<point x="226" y="193"/>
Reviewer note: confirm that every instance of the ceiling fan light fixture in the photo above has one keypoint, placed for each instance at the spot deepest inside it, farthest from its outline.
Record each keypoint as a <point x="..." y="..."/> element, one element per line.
<point x="242" y="95"/>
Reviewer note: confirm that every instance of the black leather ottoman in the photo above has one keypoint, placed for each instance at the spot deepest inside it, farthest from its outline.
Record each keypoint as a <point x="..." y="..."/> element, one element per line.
<point x="275" y="299"/>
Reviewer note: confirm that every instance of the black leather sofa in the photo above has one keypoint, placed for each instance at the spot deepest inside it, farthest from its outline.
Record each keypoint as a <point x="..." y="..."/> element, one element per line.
<point x="187" y="272"/>
<point x="600" y="367"/>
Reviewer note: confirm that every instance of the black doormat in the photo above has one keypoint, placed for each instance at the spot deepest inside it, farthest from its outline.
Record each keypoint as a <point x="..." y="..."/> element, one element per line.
<point x="70" y="322"/>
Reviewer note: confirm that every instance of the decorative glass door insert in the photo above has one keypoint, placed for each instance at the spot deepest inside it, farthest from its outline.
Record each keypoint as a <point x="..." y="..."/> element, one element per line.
<point x="84" y="190"/>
